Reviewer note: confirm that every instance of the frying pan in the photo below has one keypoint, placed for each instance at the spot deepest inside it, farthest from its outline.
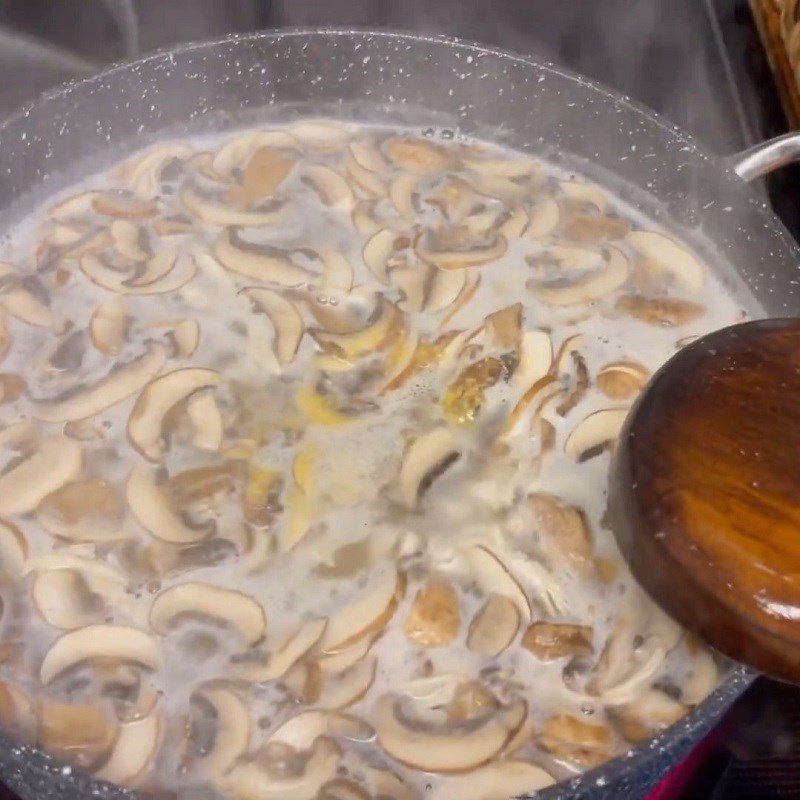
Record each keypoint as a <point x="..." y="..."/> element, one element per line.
<point x="451" y="86"/>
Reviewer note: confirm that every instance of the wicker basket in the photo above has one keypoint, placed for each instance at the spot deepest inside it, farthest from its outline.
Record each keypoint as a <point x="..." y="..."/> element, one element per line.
<point x="778" y="23"/>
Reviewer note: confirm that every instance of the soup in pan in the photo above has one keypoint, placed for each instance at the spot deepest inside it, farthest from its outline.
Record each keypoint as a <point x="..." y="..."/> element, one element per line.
<point x="305" y="440"/>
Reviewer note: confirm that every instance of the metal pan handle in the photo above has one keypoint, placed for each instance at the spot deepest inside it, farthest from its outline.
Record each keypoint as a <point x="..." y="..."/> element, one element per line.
<point x="761" y="159"/>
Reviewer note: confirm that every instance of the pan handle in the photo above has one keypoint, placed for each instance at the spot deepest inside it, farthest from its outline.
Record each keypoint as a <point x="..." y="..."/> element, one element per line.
<point x="761" y="159"/>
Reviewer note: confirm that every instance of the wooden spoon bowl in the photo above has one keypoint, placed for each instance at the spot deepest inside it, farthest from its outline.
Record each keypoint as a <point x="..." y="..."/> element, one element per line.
<point x="704" y="495"/>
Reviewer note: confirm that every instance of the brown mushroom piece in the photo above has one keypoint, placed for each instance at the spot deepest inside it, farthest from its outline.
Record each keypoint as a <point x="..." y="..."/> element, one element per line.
<point x="564" y="532"/>
<point x="665" y="312"/>
<point x="332" y="188"/>
<point x="416" y="155"/>
<point x="548" y="641"/>
<point x="108" y="327"/>
<point x="363" y="341"/>
<point x="622" y="380"/>
<point x="348" y="687"/>
<point x="433" y="619"/>
<point x="642" y="719"/>
<point x="77" y="733"/>
<point x="576" y="741"/>
<point x="214" y="212"/>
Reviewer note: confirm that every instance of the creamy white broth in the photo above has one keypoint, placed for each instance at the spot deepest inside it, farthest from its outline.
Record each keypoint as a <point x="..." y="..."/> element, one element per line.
<point x="361" y="470"/>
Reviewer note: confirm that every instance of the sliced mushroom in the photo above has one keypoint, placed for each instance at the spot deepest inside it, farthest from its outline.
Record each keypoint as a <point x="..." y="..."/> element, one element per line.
<point x="666" y="312"/>
<point x="300" y="731"/>
<point x="368" y="339"/>
<point x="134" y="751"/>
<point x="649" y="714"/>
<point x="215" y="213"/>
<point x="595" y="228"/>
<point x="595" y="432"/>
<point x="29" y="308"/>
<point x="337" y="271"/>
<point x="584" y="193"/>
<point x="377" y="252"/>
<point x="459" y="254"/>
<point x="94" y="642"/>
<point x="252" y="781"/>
<point x="65" y="601"/>
<point x="332" y="188"/>
<point x="124" y="206"/>
<point x="401" y="192"/>
<point x="348" y="687"/>
<point x="232" y="730"/>
<point x="535" y="358"/>
<point x="127" y="238"/>
<point x="365" y="179"/>
<point x="544" y="218"/>
<point x="282" y="656"/>
<point x="146" y="420"/>
<point x="448" y="749"/>
<point x="346" y="657"/>
<point x="56" y="461"/>
<point x="670" y="257"/>
<point x="471" y="285"/>
<point x="73" y="206"/>
<point x="498" y="781"/>
<point x="13" y="550"/>
<point x="83" y="511"/>
<point x="564" y="532"/>
<point x="271" y="267"/>
<point x="154" y="270"/>
<point x="494" y="576"/>
<point x="433" y="619"/>
<point x="363" y="217"/>
<point x="183" y="334"/>
<point x="78" y="733"/>
<point x="144" y="176"/>
<point x="622" y="380"/>
<point x="321" y="135"/>
<point x="108" y="327"/>
<point x="204" y="414"/>
<point x="576" y="740"/>
<point x="416" y="155"/>
<point x="702" y="677"/>
<point x="285" y="319"/>
<point x="366" y="614"/>
<point x="423" y="461"/>
<point x="237" y="609"/>
<point x="494" y="626"/>
<point x="343" y="789"/>
<point x="236" y="152"/>
<point x="592" y="286"/>
<point x="112" y="280"/>
<point x="152" y="508"/>
<point x="368" y="156"/>
<point x="264" y="172"/>
<point x="388" y="786"/>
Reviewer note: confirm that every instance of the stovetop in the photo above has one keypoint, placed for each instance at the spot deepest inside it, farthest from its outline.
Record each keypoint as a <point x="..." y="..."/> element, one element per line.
<point x="698" y="62"/>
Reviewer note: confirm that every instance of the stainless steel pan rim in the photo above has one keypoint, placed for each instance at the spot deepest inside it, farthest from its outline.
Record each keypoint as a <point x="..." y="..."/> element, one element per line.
<point x="641" y="765"/>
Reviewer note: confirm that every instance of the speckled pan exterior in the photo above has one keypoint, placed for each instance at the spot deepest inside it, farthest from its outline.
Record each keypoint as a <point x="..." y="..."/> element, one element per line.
<point x="455" y="87"/>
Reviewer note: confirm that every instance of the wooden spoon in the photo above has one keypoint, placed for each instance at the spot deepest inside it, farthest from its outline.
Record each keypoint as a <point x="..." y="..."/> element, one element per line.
<point x="704" y="495"/>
